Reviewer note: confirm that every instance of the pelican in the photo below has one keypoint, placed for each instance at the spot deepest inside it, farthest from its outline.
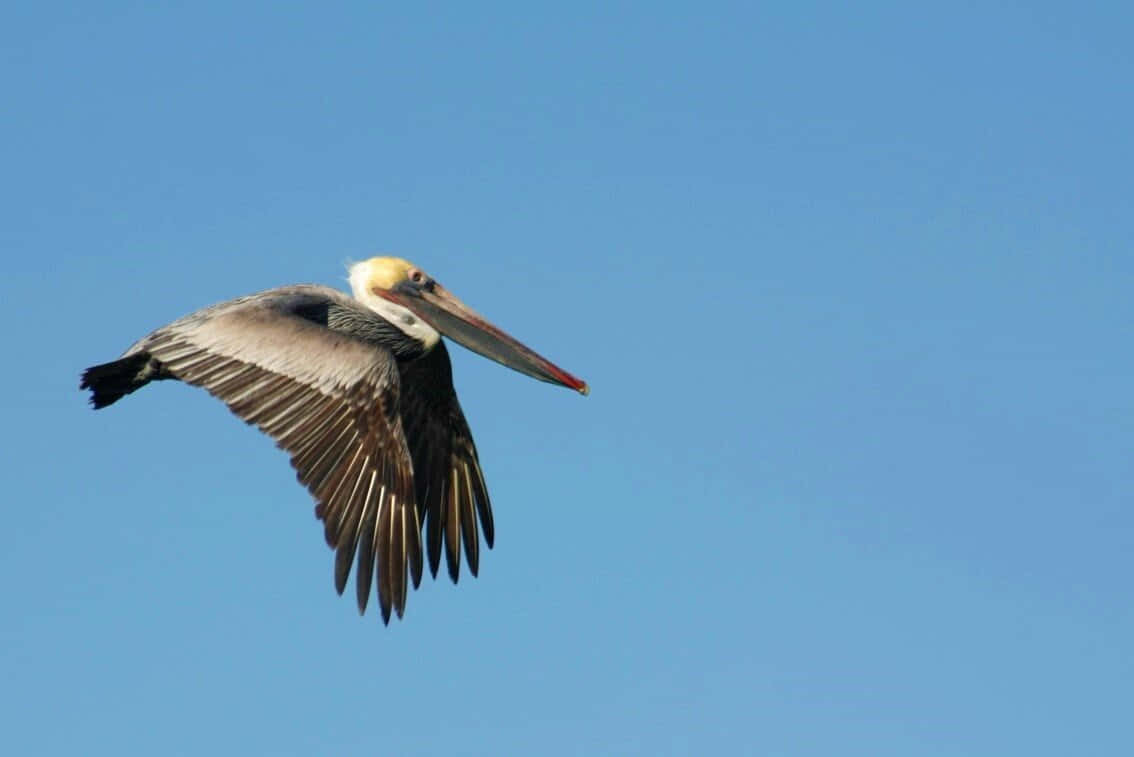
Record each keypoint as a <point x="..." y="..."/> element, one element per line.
<point x="359" y="392"/>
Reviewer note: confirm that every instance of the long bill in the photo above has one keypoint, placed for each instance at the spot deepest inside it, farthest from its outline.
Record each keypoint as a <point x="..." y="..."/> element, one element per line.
<point x="444" y="312"/>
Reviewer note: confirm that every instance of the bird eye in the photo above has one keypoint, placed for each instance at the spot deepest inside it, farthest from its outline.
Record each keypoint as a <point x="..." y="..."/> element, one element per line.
<point x="417" y="276"/>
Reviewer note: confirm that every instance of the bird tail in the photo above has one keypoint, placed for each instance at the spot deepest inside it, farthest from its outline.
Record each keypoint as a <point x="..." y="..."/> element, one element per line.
<point x="110" y="382"/>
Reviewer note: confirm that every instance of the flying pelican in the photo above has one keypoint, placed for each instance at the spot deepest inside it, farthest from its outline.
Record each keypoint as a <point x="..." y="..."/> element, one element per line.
<point x="359" y="392"/>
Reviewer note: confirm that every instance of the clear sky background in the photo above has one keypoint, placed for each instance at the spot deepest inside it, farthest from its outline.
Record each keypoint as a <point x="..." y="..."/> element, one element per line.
<point x="852" y="286"/>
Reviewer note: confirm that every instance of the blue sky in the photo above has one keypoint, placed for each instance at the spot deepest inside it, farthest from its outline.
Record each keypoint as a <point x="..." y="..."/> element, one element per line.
<point x="852" y="289"/>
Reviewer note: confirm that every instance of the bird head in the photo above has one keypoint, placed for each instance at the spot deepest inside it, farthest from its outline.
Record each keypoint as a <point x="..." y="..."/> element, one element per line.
<point x="416" y="303"/>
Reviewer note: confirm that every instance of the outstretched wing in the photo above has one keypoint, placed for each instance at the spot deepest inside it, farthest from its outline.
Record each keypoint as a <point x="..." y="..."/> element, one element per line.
<point x="330" y="399"/>
<point x="449" y="484"/>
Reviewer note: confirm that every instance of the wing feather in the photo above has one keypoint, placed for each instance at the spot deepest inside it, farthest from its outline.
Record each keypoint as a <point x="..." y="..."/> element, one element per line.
<point x="453" y="527"/>
<point x="365" y="577"/>
<point x="382" y="542"/>
<point x="448" y="480"/>
<point x="469" y="535"/>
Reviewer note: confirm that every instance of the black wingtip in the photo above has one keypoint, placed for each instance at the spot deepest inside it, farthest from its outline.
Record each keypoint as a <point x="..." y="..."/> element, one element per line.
<point x="110" y="382"/>
<point x="100" y="397"/>
<point x="343" y="561"/>
<point x="362" y="593"/>
<point x="453" y="563"/>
